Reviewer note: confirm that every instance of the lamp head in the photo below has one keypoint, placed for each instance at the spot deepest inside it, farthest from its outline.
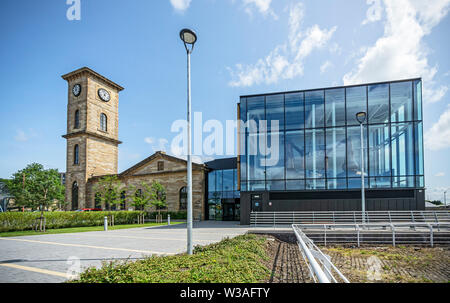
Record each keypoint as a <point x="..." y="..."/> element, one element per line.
<point x="361" y="117"/>
<point x="188" y="36"/>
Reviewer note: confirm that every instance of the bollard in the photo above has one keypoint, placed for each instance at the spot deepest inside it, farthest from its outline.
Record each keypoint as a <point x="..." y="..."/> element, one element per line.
<point x="106" y="223"/>
<point x="168" y="219"/>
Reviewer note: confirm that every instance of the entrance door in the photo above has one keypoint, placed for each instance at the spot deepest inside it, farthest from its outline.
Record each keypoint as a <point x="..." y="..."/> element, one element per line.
<point x="256" y="202"/>
<point x="228" y="211"/>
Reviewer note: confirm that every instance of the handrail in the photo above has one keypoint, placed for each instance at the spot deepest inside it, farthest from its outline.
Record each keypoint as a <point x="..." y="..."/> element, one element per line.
<point x="309" y="253"/>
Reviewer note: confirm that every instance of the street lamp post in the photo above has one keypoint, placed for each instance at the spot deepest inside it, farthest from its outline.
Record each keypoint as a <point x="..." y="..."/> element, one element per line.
<point x="189" y="38"/>
<point x="361" y="118"/>
<point x="445" y="200"/>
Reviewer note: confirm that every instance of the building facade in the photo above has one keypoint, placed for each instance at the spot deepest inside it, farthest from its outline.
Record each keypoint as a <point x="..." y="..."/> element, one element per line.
<point x="318" y="166"/>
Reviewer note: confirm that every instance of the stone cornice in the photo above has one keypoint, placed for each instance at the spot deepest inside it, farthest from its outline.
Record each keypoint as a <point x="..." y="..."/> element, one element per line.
<point x="87" y="70"/>
<point x="76" y="134"/>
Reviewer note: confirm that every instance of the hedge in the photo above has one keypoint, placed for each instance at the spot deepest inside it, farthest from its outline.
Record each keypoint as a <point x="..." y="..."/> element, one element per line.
<point x="179" y="215"/>
<point x="18" y="221"/>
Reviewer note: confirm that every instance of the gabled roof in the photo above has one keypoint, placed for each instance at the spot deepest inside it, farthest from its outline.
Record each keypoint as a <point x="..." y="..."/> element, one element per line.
<point x="94" y="73"/>
<point x="153" y="157"/>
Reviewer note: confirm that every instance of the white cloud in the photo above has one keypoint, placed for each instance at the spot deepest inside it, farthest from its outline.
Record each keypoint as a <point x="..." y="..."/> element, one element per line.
<point x="284" y="61"/>
<point x="21" y="136"/>
<point x="325" y="66"/>
<point x="180" y="5"/>
<point x="440" y="174"/>
<point x="263" y="6"/>
<point x="438" y="136"/>
<point x="149" y="140"/>
<point x="400" y="53"/>
<point x="157" y="145"/>
<point x="374" y="12"/>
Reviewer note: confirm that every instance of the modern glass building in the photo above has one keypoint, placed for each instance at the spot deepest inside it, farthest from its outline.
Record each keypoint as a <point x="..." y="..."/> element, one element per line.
<point x="223" y="195"/>
<point x="319" y="149"/>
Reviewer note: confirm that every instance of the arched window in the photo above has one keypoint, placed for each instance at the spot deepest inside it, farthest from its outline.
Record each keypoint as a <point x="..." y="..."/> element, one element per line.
<point x="75" y="195"/>
<point x="123" y="200"/>
<point x="98" y="201"/>
<point x="183" y="198"/>
<point x="76" y="151"/>
<point x="103" y="122"/>
<point x="77" y="119"/>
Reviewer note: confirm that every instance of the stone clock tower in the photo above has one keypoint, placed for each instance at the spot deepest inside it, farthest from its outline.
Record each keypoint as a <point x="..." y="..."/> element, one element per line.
<point x="92" y="132"/>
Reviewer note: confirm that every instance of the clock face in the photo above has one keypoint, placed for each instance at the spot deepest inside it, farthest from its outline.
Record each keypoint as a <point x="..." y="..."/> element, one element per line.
<point x="104" y="95"/>
<point x="76" y="90"/>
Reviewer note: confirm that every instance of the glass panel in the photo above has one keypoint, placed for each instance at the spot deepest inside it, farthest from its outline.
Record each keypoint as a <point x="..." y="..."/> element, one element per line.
<point x="228" y="180"/>
<point x="244" y="185"/>
<point x="275" y="111"/>
<point x="378" y="103"/>
<point x="275" y="158"/>
<point x="315" y="153"/>
<point x="417" y="100"/>
<point x="212" y="181"/>
<point x="243" y="109"/>
<point x="356" y="182"/>
<point x="295" y="155"/>
<point x="295" y="184"/>
<point x="419" y="147"/>
<point x="255" y="161"/>
<point x="335" y="107"/>
<point x="255" y="110"/>
<point x="402" y="181"/>
<point x="380" y="182"/>
<point x="315" y="184"/>
<point x="402" y="149"/>
<point x="401" y="102"/>
<point x="356" y="102"/>
<point x="314" y="109"/>
<point x="420" y="182"/>
<point x="294" y="104"/>
<point x="256" y="185"/>
<point x="275" y="185"/>
<point x="219" y="180"/>
<point x="337" y="183"/>
<point x="379" y="150"/>
<point x="335" y="158"/>
<point x="354" y="151"/>
<point x="235" y="179"/>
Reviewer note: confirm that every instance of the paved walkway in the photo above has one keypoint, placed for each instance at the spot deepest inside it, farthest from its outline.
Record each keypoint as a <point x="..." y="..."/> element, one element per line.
<point x="48" y="258"/>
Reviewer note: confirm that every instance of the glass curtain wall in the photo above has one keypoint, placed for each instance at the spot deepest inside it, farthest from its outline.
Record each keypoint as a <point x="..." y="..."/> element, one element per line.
<point x="222" y="189"/>
<point x="319" y="138"/>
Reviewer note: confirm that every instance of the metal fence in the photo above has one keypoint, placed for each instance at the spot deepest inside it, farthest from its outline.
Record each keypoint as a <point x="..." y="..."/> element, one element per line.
<point x="320" y="267"/>
<point x="343" y="217"/>
<point x="378" y="233"/>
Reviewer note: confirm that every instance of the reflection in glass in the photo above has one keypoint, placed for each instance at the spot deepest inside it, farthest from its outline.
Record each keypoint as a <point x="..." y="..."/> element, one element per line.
<point x="403" y="181"/>
<point x="336" y="183"/>
<point x="335" y="158"/>
<point x="356" y="182"/>
<point x="354" y="151"/>
<point x="275" y="160"/>
<point x="335" y="107"/>
<point x="402" y="149"/>
<point x="417" y="100"/>
<point x="227" y="180"/>
<point x="356" y="102"/>
<point x="401" y="102"/>
<point x="275" y="185"/>
<point x="219" y="179"/>
<point x="379" y="150"/>
<point x="294" y="104"/>
<point x="315" y="153"/>
<point x="419" y="147"/>
<point x="212" y="181"/>
<point x="295" y="184"/>
<point x="380" y="182"/>
<point x="275" y="111"/>
<point x="256" y="161"/>
<point x="295" y="155"/>
<point x="378" y="100"/>
<point x="315" y="184"/>
<point x="314" y="109"/>
<point x="255" y="110"/>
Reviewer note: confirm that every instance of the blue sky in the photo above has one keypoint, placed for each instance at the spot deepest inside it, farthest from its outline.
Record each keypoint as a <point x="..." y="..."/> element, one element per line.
<point x="244" y="47"/>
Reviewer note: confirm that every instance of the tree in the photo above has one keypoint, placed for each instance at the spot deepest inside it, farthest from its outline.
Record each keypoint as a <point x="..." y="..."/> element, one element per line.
<point x="36" y="188"/>
<point x="108" y="191"/>
<point x="141" y="197"/>
<point x="158" y="196"/>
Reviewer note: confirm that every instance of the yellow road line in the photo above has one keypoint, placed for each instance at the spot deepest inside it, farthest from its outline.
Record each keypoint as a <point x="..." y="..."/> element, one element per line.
<point x="34" y="269"/>
<point x="88" y="246"/>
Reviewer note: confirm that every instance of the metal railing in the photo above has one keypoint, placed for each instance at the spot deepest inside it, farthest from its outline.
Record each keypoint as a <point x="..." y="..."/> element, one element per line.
<point x="378" y="233"/>
<point x="320" y="267"/>
<point x="343" y="217"/>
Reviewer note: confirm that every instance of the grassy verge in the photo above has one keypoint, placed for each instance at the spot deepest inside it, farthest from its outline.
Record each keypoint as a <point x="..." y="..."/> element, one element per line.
<point x="237" y="260"/>
<point x="77" y="229"/>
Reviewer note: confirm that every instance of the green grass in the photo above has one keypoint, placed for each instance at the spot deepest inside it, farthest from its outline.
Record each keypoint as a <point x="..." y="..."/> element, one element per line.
<point x="237" y="260"/>
<point x="77" y="229"/>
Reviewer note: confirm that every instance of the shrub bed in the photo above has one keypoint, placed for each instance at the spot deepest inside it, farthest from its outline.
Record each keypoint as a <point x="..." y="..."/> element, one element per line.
<point x="18" y="221"/>
<point x="237" y="260"/>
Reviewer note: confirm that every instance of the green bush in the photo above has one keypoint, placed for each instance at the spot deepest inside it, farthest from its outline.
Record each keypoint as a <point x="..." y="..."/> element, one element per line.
<point x="18" y="221"/>
<point x="178" y="215"/>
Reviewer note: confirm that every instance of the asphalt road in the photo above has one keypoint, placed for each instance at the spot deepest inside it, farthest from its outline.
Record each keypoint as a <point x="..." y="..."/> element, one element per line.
<point x="54" y="258"/>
